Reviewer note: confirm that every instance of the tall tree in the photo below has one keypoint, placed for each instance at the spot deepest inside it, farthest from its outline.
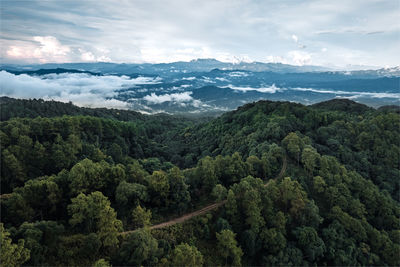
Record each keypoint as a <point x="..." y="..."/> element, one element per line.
<point x="186" y="255"/>
<point x="141" y="217"/>
<point x="228" y="248"/>
<point x="93" y="214"/>
<point x="293" y="144"/>
<point x="12" y="254"/>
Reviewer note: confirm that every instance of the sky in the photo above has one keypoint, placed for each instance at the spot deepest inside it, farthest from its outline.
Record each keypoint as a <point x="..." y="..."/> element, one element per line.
<point x="338" y="33"/>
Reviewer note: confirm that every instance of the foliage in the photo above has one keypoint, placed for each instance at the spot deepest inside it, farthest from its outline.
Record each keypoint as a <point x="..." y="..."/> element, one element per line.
<point x="12" y="254"/>
<point x="186" y="255"/>
<point x="300" y="185"/>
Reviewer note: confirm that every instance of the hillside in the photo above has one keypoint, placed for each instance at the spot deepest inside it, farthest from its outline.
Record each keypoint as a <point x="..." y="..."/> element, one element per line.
<point x="271" y="183"/>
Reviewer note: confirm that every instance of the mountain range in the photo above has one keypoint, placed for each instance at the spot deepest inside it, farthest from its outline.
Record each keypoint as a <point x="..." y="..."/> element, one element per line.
<point x="202" y="86"/>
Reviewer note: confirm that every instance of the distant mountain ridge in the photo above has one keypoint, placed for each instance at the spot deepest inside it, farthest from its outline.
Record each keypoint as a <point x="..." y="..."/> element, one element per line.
<point x="50" y="71"/>
<point x="180" y="66"/>
<point x="196" y="65"/>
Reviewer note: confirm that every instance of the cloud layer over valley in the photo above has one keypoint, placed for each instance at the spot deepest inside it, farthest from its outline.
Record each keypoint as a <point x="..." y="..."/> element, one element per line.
<point x="82" y="89"/>
<point x="214" y="91"/>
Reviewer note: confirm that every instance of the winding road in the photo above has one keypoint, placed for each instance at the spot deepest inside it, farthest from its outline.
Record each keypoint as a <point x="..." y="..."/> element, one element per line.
<point x="206" y="209"/>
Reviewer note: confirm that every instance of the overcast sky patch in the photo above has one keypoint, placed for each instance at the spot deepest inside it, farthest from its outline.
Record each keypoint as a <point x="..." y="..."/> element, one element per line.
<point x="342" y="32"/>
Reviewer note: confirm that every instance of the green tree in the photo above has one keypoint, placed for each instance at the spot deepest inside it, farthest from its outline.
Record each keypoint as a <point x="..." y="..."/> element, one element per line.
<point x="228" y="248"/>
<point x="313" y="246"/>
<point x="205" y="172"/>
<point x="93" y="214"/>
<point x="159" y="188"/>
<point x="12" y="254"/>
<point x="135" y="172"/>
<point x="319" y="184"/>
<point x="101" y="263"/>
<point x="292" y="197"/>
<point x="179" y="196"/>
<point x="186" y="255"/>
<point x="42" y="195"/>
<point x="79" y="250"/>
<point x="219" y="192"/>
<point x="257" y="167"/>
<point x="310" y="158"/>
<point x="18" y="209"/>
<point x="127" y="193"/>
<point x="293" y="144"/>
<point x="87" y="176"/>
<point x="140" y="217"/>
<point x="42" y="239"/>
<point x="273" y="240"/>
<point x="12" y="170"/>
<point x="231" y="208"/>
<point x="140" y="248"/>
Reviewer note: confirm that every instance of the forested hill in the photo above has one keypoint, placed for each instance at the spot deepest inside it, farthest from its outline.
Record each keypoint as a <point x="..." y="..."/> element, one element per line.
<point x="73" y="178"/>
<point x="32" y="108"/>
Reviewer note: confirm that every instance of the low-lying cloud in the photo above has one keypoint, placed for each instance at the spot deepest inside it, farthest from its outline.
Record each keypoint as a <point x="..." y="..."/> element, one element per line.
<point x="349" y="94"/>
<point x="238" y="74"/>
<point x="79" y="88"/>
<point x="271" y="89"/>
<point x="177" y="97"/>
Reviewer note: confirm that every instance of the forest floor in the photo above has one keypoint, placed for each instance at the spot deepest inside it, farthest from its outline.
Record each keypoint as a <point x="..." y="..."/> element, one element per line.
<point x="206" y="209"/>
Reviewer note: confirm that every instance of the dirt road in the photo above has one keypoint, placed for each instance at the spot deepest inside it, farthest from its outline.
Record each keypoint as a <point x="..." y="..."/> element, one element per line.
<point x="206" y="209"/>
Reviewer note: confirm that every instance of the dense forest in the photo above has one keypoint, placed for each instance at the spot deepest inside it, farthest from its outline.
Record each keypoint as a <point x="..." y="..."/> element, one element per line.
<point x="292" y="185"/>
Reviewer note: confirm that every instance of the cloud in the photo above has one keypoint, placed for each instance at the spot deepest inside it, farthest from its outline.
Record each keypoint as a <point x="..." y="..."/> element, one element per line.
<point x="88" y="56"/>
<point x="137" y="31"/>
<point x="221" y="79"/>
<point x="271" y="89"/>
<point x="81" y="89"/>
<point x="276" y="59"/>
<point x="375" y="32"/>
<point x="177" y="97"/>
<point x="44" y="49"/>
<point x="189" y="78"/>
<point x="238" y="74"/>
<point x="50" y="46"/>
<point x="350" y="94"/>
<point x="299" y="57"/>
<point x="349" y="30"/>
<point x="296" y="40"/>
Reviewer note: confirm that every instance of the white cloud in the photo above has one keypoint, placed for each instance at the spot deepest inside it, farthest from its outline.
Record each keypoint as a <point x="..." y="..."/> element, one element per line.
<point x="50" y="46"/>
<point x="44" y="49"/>
<point x="294" y="57"/>
<point x="271" y="89"/>
<point x="221" y="79"/>
<point x="276" y="59"/>
<point x="207" y="79"/>
<point x="295" y="38"/>
<point x="88" y="56"/>
<point x="299" y="58"/>
<point x="350" y="94"/>
<point x="238" y="74"/>
<point x="81" y="89"/>
<point x="177" y="97"/>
